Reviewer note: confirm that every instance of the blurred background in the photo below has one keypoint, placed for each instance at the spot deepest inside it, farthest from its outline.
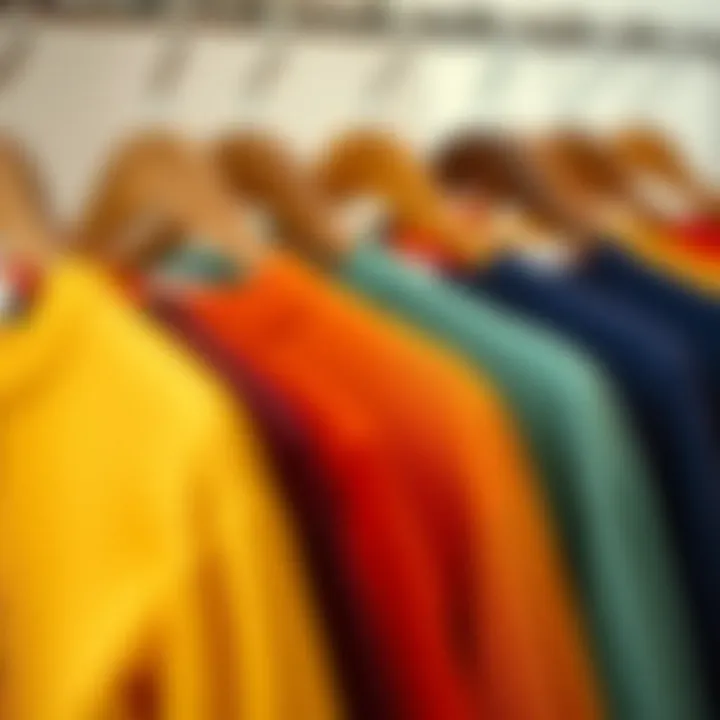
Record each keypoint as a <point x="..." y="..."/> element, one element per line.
<point x="77" y="74"/>
<point x="483" y="367"/>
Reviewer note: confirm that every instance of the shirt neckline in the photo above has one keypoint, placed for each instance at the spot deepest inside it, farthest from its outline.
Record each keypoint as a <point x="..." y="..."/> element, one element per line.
<point x="38" y="341"/>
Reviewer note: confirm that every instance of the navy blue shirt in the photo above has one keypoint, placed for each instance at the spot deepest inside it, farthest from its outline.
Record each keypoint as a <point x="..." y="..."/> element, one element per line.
<point x="694" y="316"/>
<point x="656" y="370"/>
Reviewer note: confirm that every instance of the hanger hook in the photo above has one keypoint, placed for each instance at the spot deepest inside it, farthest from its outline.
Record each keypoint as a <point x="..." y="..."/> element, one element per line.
<point x="590" y="80"/>
<point x="663" y="71"/>
<point x="641" y="97"/>
<point x="266" y="71"/>
<point x="493" y="77"/>
<point x="175" y="54"/>
<point x="396" y="68"/>
<point x="22" y="35"/>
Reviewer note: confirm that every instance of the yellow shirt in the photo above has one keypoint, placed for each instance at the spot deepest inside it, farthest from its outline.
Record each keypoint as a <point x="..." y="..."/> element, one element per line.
<point x="145" y="561"/>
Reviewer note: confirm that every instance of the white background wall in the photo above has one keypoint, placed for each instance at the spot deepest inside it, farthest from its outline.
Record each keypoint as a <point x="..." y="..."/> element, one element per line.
<point x="83" y="88"/>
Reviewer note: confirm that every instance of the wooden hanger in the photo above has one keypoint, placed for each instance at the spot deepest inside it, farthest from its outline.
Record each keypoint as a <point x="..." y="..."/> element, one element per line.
<point x="592" y="177"/>
<point x="585" y="162"/>
<point x="644" y="150"/>
<point x="25" y="219"/>
<point x="507" y="173"/>
<point x="262" y="170"/>
<point x="159" y="190"/>
<point x="377" y="164"/>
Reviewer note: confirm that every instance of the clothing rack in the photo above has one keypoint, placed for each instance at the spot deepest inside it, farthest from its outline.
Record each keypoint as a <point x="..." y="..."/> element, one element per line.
<point x="567" y="31"/>
<point x="406" y="30"/>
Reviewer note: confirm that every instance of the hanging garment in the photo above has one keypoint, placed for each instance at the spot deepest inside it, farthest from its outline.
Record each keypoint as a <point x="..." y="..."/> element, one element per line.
<point x="386" y="552"/>
<point x="659" y="379"/>
<point x="666" y="252"/>
<point x="694" y="316"/>
<point x="144" y="554"/>
<point x="304" y="484"/>
<point x="699" y="235"/>
<point x="595" y="477"/>
<point x="476" y="502"/>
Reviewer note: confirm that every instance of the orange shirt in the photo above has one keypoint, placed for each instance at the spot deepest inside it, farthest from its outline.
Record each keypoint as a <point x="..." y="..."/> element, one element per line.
<point x="387" y="552"/>
<point x="503" y="583"/>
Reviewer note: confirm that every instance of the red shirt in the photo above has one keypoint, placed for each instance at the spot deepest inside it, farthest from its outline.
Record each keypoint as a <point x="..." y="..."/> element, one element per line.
<point x="388" y="551"/>
<point x="701" y="235"/>
<point x="479" y="548"/>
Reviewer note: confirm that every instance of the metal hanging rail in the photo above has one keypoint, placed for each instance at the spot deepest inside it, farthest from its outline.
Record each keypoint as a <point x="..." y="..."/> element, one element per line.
<point x="472" y="25"/>
<point x="19" y="41"/>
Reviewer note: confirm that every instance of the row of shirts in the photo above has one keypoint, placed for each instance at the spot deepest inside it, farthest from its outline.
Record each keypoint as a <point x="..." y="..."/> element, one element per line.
<point x="383" y="493"/>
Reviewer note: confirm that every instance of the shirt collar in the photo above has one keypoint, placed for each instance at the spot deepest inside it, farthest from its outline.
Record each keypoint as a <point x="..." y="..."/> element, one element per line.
<point x="32" y="345"/>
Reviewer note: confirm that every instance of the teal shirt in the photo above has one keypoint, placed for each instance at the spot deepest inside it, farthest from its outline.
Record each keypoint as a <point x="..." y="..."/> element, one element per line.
<point x="200" y="262"/>
<point x="594" y="476"/>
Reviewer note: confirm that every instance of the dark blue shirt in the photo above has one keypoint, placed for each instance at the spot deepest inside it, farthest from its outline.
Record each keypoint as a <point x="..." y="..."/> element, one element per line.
<point x="656" y="369"/>
<point x="693" y="316"/>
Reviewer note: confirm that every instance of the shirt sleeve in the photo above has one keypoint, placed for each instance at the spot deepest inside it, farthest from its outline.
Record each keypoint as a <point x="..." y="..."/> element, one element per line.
<point x="268" y="651"/>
